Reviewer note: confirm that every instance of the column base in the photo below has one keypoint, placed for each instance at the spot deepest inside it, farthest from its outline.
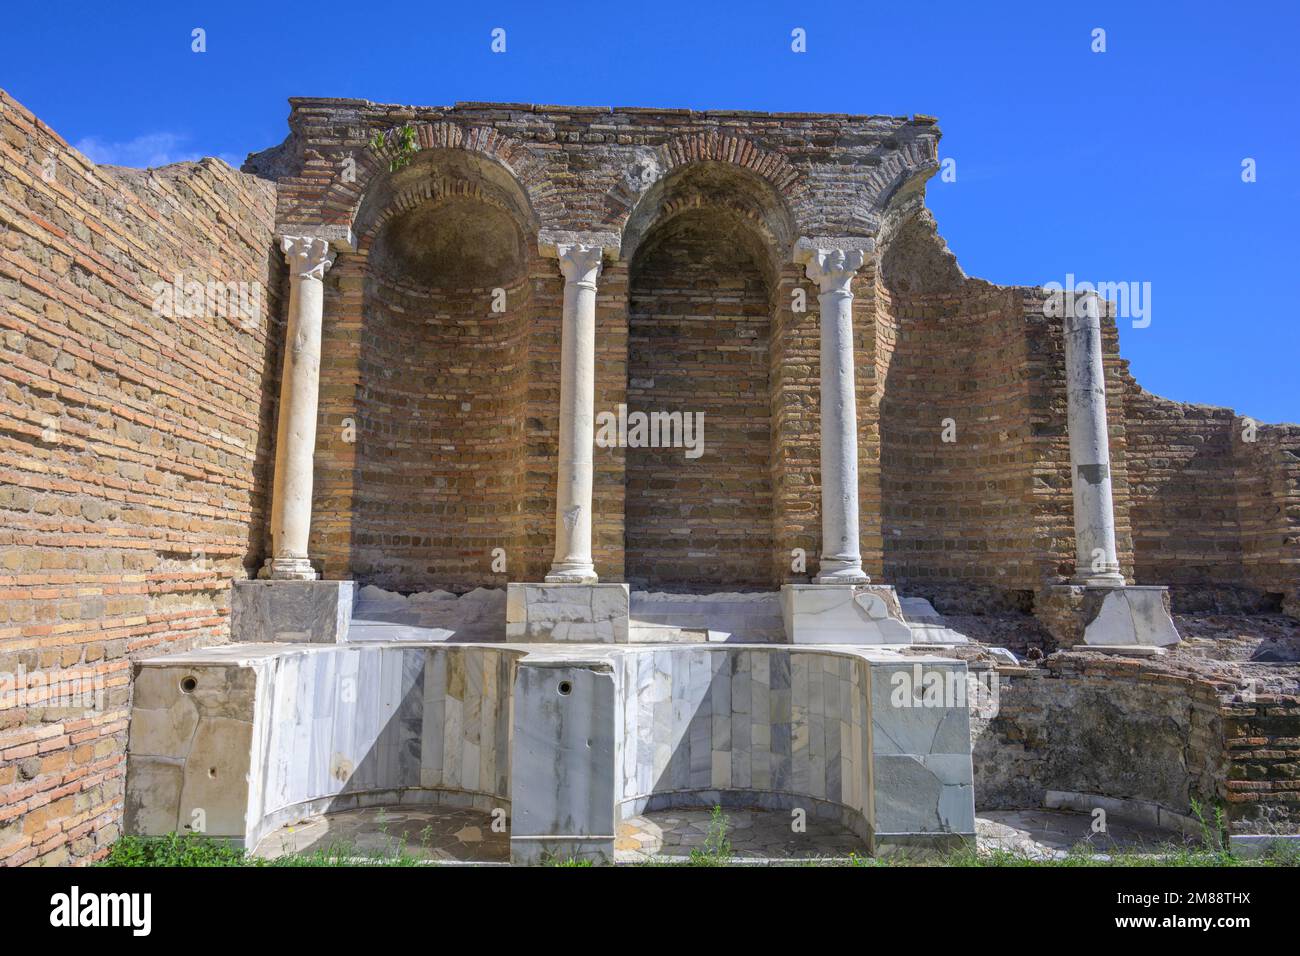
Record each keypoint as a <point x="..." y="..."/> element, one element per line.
<point x="1100" y="579"/>
<point x="1134" y="616"/>
<point x="578" y="575"/>
<point x="279" y="612"/>
<point x="833" y="572"/>
<point x="567" y="612"/>
<point x="836" y="614"/>
<point x="287" y="569"/>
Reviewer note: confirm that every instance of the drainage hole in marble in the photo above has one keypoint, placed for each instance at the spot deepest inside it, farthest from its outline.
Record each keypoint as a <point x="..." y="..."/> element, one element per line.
<point x="188" y="684"/>
<point x="566" y="688"/>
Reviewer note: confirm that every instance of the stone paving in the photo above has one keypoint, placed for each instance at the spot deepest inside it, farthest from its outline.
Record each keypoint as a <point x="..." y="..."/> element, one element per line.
<point x="671" y="835"/>
<point x="440" y="834"/>
<point x="1051" y="834"/>
<point x="449" y="835"/>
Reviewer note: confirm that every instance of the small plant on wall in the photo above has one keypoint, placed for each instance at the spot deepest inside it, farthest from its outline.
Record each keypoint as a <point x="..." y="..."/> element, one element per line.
<point x="397" y="145"/>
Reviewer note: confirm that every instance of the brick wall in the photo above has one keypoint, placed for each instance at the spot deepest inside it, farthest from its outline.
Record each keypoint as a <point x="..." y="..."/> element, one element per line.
<point x="1135" y="730"/>
<point x="1262" y="743"/>
<point x="1096" y="725"/>
<point x="435" y="384"/>
<point x="133" y="455"/>
<point x="699" y="337"/>
<point x="1215" y="503"/>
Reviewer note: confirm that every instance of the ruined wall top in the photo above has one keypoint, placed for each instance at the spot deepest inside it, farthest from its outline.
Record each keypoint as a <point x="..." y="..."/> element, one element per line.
<point x="595" y="169"/>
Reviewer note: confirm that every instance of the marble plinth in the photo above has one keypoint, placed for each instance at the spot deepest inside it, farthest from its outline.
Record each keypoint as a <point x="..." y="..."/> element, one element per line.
<point x="843" y="614"/>
<point x="567" y="613"/>
<point x="298" y="612"/>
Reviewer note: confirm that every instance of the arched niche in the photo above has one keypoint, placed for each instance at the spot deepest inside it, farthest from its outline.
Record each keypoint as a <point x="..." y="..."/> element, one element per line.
<point x="444" y="303"/>
<point x="704" y="248"/>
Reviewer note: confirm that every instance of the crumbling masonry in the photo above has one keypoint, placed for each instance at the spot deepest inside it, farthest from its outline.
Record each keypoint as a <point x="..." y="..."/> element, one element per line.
<point x="408" y="401"/>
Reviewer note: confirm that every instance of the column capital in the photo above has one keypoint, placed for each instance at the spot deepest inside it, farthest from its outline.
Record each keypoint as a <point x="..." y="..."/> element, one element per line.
<point x="579" y="262"/>
<point x="309" y="257"/>
<point x="833" y="262"/>
<point x="554" y="242"/>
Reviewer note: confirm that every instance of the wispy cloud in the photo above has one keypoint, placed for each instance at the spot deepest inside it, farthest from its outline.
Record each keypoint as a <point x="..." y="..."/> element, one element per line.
<point x="146" y="151"/>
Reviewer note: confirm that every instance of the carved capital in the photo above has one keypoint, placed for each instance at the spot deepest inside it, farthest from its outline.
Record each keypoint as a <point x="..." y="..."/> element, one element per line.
<point x="309" y="257"/>
<point x="580" y="263"/>
<point x="832" y="263"/>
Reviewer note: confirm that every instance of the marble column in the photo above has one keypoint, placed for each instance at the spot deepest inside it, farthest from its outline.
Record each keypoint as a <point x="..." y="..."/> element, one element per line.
<point x="1096" y="560"/>
<point x="832" y="264"/>
<point x="309" y="257"/>
<point x="580" y="263"/>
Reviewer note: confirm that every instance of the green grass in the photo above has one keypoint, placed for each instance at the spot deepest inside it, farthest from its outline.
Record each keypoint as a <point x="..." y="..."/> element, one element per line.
<point x="717" y="848"/>
<point x="180" y="850"/>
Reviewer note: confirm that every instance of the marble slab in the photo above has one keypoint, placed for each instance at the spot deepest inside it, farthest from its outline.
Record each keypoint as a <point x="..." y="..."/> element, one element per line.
<point x="299" y="612"/>
<point x="1129" y="616"/>
<point x="843" y="614"/>
<point x="567" y="613"/>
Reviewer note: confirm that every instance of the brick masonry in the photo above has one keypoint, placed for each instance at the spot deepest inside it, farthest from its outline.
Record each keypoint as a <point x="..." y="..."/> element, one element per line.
<point x="134" y="455"/>
<point x="136" y="450"/>
<point x="1135" y="731"/>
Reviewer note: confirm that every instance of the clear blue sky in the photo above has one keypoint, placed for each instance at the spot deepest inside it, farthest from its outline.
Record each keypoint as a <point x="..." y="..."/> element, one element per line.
<point x="1118" y="166"/>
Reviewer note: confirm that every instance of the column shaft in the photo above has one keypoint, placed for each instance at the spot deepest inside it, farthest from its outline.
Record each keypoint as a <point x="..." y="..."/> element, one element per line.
<point x="295" y="442"/>
<point x="573" y="564"/>
<point x="1096" y="559"/>
<point x="841" y="558"/>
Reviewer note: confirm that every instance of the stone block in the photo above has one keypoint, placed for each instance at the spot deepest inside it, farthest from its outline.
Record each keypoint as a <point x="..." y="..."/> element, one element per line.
<point x="921" y="770"/>
<point x="1129" y="615"/>
<point x="192" y="758"/>
<point x="1110" y="618"/>
<point x="567" y="613"/>
<point x="843" y="614"/>
<point x="303" y="612"/>
<point x="562" y="759"/>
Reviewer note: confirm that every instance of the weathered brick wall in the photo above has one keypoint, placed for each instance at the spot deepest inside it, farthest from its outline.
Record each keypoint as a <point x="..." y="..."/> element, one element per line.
<point x="1215" y="503"/>
<point x="1262" y="742"/>
<point x="957" y="510"/>
<point x="1097" y="725"/>
<point x="1181" y="490"/>
<point x="793" y="370"/>
<point x="956" y="437"/>
<point x="699" y="337"/>
<point x="1137" y="731"/>
<point x="440" y="451"/>
<point x="133" y="455"/>
<point x="586" y="167"/>
<point x="1268" y="509"/>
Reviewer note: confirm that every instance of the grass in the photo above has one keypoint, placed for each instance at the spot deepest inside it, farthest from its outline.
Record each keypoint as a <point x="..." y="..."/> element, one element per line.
<point x="181" y="850"/>
<point x="717" y="848"/>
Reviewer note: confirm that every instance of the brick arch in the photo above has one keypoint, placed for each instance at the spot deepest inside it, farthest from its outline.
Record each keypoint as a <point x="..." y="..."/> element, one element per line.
<point x="710" y="146"/>
<point x="436" y="191"/>
<point x="528" y="171"/>
<point x="736" y="150"/>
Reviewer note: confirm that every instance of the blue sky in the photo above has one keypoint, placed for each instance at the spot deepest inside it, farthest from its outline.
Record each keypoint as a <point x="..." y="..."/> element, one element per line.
<point x="1116" y="166"/>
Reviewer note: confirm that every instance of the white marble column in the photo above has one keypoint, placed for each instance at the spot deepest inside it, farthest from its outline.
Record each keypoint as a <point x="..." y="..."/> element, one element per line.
<point x="832" y="264"/>
<point x="1096" y="560"/>
<point x="580" y="263"/>
<point x="295" y="439"/>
